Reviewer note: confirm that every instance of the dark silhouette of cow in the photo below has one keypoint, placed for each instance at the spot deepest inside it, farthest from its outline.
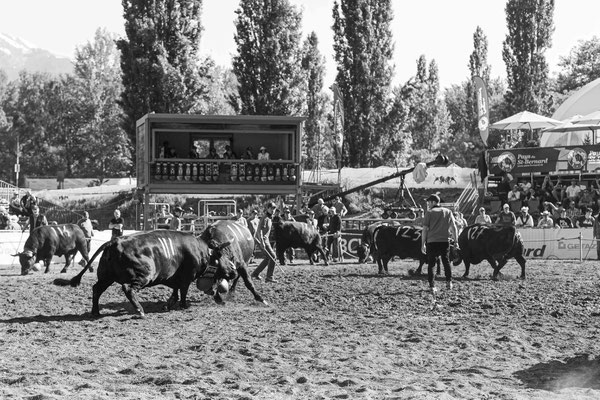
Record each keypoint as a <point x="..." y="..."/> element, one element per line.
<point x="292" y="234"/>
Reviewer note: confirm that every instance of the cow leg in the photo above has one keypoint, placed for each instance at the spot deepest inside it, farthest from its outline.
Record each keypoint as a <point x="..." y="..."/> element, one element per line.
<point x="97" y="290"/>
<point x="173" y="299"/>
<point x="243" y="273"/>
<point x="47" y="264"/>
<point x="521" y="260"/>
<point x="496" y="268"/>
<point x="68" y="260"/>
<point x="467" y="268"/>
<point x="130" y="293"/>
<point x="184" y="291"/>
<point x="281" y="255"/>
<point x="322" y="253"/>
<point x="419" y="270"/>
<point x="379" y="266"/>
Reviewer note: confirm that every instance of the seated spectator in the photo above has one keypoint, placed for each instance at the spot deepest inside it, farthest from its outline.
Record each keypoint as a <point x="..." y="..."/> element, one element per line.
<point x="248" y="154"/>
<point x="13" y="223"/>
<point x="524" y="186"/>
<point x="506" y="217"/>
<point x="4" y="219"/>
<point x="558" y="190"/>
<point x="172" y="153"/>
<point x="524" y="220"/>
<point x="194" y="153"/>
<point x="482" y="217"/>
<point x="229" y="154"/>
<point x="585" y="221"/>
<point x="572" y="211"/>
<point x="572" y="191"/>
<point x="563" y="221"/>
<point x="546" y="221"/>
<point x="547" y="189"/>
<point x="585" y="200"/>
<point x="514" y="194"/>
<point x="461" y="222"/>
<point x="212" y="154"/>
<point x="263" y="154"/>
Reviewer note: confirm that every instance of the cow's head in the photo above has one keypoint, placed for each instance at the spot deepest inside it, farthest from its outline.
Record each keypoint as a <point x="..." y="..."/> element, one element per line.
<point x="27" y="260"/>
<point x="455" y="255"/>
<point x="362" y="251"/>
<point x="220" y="271"/>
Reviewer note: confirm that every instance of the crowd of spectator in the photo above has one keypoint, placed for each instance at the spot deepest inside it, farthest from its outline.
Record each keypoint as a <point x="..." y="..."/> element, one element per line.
<point x="554" y="204"/>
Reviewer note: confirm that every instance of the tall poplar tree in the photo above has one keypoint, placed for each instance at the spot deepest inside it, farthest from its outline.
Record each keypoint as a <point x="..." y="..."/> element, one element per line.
<point x="160" y="62"/>
<point x="530" y="27"/>
<point x="363" y="51"/>
<point x="267" y="63"/>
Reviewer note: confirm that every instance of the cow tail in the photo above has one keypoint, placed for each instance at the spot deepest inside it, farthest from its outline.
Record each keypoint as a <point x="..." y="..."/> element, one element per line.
<point x="76" y="280"/>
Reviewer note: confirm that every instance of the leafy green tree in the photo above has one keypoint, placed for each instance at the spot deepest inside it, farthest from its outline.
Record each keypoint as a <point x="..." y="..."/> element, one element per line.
<point x="222" y="91"/>
<point x="580" y="67"/>
<point x="530" y="27"/>
<point x="268" y="60"/>
<point x="162" y="71"/>
<point x="105" y="150"/>
<point x="316" y="128"/>
<point x="363" y="49"/>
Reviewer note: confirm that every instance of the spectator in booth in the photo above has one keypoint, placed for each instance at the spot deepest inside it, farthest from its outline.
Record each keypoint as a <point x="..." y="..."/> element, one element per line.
<point x="263" y="154"/>
<point x="585" y="199"/>
<point x="340" y="208"/>
<point x="461" y="222"/>
<point x="572" y="191"/>
<point x="165" y="150"/>
<point x="248" y="154"/>
<point x="116" y="225"/>
<point x="563" y="221"/>
<point x="212" y="154"/>
<point x="506" y="217"/>
<point x="514" y="194"/>
<point x="229" y="154"/>
<point x="240" y="219"/>
<point x="586" y="220"/>
<point x="35" y="219"/>
<point x="483" y="218"/>
<point x="546" y="221"/>
<point x="524" y="220"/>
<point x="172" y="153"/>
<point x="28" y="201"/>
<point x="86" y="226"/>
<point x="334" y="238"/>
<point x="194" y="153"/>
<point x="175" y="223"/>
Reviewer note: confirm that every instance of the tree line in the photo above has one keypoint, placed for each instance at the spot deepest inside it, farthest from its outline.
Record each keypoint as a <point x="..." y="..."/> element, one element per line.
<point x="84" y="123"/>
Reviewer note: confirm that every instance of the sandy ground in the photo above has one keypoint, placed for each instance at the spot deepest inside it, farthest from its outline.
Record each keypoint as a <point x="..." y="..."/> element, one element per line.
<point x="337" y="332"/>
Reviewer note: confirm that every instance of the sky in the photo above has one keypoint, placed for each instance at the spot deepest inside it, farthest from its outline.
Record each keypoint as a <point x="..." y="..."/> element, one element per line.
<point x="439" y="29"/>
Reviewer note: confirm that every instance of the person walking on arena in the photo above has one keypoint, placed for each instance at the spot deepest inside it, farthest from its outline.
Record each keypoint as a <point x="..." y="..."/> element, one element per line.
<point x="438" y="227"/>
<point x="86" y="226"/>
<point x="334" y="236"/>
<point x="116" y="225"/>
<point x="35" y="219"/>
<point x="262" y="238"/>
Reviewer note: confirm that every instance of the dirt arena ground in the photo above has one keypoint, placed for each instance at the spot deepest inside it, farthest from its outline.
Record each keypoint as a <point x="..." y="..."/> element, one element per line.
<point x="337" y="332"/>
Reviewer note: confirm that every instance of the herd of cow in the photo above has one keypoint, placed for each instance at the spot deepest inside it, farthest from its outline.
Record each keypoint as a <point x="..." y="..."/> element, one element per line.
<point x="220" y="255"/>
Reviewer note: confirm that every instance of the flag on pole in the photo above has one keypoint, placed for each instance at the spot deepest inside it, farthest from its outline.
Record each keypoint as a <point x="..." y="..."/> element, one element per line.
<point x="338" y="114"/>
<point x="483" y="117"/>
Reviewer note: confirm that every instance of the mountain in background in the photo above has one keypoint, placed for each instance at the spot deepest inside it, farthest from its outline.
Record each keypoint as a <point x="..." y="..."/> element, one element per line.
<point x="17" y="55"/>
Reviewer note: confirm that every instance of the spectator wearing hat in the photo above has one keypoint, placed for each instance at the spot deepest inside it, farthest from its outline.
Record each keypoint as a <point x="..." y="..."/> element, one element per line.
<point x="263" y="154"/>
<point x="13" y="223"/>
<point x="438" y="225"/>
<point x="563" y="221"/>
<point x="506" y="217"/>
<point x="262" y="239"/>
<point x="546" y="220"/>
<point x="175" y="224"/>
<point x="524" y="220"/>
<point x="586" y="220"/>
<point x="36" y="219"/>
<point x="340" y="208"/>
<point x="483" y="218"/>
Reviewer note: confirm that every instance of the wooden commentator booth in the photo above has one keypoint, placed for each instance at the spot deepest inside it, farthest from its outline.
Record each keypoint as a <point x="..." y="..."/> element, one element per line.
<point x="173" y="155"/>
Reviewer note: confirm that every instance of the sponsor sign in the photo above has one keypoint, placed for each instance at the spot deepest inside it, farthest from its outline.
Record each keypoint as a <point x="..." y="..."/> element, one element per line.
<point x="576" y="159"/>
<point x="483" y="119"/>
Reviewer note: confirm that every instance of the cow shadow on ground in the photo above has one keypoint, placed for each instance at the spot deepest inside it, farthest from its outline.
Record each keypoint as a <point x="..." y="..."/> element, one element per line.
<point x="406" y="276"/>
<point x="580" y="371"/>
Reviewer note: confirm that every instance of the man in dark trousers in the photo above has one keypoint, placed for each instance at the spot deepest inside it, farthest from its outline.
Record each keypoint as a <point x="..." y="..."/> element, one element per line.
<point x="334" y="235"/>
<point x="438" y="227"/>
<point x="116" y="225"/>
<point x="262" y="238"/>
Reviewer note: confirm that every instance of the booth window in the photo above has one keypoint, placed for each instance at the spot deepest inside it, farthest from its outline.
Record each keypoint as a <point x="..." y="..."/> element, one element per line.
<point x="203" y="144"/>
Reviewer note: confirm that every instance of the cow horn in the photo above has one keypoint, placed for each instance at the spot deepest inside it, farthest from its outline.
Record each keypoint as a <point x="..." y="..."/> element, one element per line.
<point x="223" y="245"/>
<point x="15" y="255"/>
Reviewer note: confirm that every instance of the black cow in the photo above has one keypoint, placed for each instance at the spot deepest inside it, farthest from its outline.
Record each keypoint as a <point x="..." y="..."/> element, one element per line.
<point x="496" y="244"/>
<point x="401" y="241"/>
<point x="171" y="258"/>
<point x="239" y="250"/>
<point x="367" y="245"/>
<point x="48" y="241"/>
<point x="297" y="235"/>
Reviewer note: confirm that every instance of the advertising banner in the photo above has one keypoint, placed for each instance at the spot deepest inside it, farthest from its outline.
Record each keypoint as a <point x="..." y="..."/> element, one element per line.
<point x="569" y="159"/>
<point x="483" y="118"/>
